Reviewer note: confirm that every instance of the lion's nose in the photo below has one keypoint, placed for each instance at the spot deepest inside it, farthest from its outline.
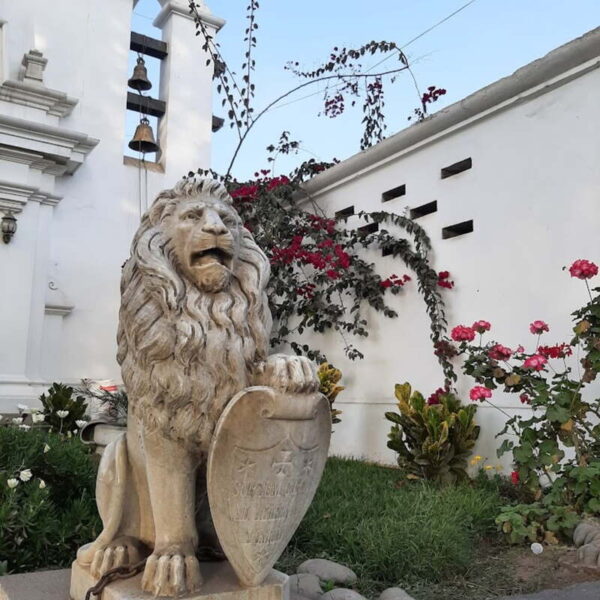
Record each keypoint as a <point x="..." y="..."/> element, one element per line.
<point x="213" y="224"/>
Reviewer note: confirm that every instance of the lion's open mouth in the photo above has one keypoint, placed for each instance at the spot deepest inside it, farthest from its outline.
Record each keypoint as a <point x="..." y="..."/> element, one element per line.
<point x="210" y="256"/>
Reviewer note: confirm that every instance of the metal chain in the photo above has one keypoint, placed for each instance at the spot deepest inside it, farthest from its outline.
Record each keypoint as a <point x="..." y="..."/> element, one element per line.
<point x="112" y="575"/>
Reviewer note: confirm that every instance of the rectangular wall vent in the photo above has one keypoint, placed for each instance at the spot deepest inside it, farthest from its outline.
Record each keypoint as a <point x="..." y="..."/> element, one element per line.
<point x="458" y="229"/>
<point x="424" y="209"/>
<point x="368" y="228"/>
<point x="345" y="212"/>
<point x="395" y="193"/>
<point x="456" y="168"/>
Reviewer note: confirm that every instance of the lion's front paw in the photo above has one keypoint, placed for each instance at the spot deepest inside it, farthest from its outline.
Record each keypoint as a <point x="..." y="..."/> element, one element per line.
<point x="294" y="374"/>
<point x="171" y="573"/>
<point x="121" y="552"/>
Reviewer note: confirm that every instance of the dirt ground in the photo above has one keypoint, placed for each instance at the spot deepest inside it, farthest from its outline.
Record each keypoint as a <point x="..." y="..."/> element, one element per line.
<point x="554" y="568"/>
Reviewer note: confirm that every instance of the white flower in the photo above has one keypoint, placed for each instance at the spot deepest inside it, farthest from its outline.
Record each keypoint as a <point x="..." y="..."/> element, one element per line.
<point x="37" y="418"/>
<point x="25" y="427"/>
<point x="34" y="411"/>
<point x="1" y="417"/>
<point x="17" y="420"/>
<point x="42" y="484"/>
<point x="46" y="448"/>
<point x="80" y="423"/>
<point x="25" y="475"/>
<point x="22" y="407"/>
<point x="62" y="413"/>
<point x="12" y="483"/>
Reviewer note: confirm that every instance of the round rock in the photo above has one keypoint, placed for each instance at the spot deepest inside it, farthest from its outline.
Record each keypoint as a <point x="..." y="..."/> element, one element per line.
<point x="327" y="570"/>
<point x="305" y="585"/>
<point x="342" y="594"/>
<point x="395" y="593"/>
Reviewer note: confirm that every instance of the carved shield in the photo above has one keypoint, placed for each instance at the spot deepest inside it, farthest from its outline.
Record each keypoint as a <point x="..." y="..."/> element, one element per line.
<point x="265" y="463"/>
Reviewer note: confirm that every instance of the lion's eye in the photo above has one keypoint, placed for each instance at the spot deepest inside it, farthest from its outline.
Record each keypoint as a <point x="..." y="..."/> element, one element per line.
<point x="192" y="216"/>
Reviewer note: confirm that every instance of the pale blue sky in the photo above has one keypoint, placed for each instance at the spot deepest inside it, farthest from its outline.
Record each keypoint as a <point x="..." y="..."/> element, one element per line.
<point x="487" y="40"/>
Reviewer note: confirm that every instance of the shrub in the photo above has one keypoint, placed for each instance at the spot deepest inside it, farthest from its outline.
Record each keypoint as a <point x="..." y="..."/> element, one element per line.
<point x="62" y="410"/>
<point x="433" y="438"/>
<point x="47" y="506"/>
<point x="329" y="377"/>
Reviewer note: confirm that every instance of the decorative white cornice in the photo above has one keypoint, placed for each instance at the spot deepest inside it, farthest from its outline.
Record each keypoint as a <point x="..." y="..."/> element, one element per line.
<point x="59" y="310"/>
<point x="14" y="196"/>
<point x="56" y="303"/>
<point x="35" y="96"/>
<point x="48" y="148"/>
<point x="182" y="9"/>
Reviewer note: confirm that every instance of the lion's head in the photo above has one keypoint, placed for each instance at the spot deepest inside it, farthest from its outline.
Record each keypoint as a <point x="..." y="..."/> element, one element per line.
<point x="194" y="316"/>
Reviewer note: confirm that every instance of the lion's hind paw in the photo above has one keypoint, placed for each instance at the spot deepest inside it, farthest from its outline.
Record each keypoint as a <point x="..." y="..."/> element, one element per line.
<point x="171" y="574"/>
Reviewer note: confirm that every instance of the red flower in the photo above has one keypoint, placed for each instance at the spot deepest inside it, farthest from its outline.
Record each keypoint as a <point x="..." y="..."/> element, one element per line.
<point x="444" y="281"/>
<point x="435" y="398"/>
<point x="514" y="477"/>
<point x="394" y="281"/>
<point x="481" y="326"/>
<point x="462" y="334"/>
<point x="524" y="398"/>
<point x="444" y="348"/>
<point x="538" y="327"/>
<point x="332" y="274"/>
<point x="499" y="352"/>
<point x="480" y="393"/>
<point x="556" y="351"/>
<point x="536" y="362"/>
<point x="583" y="269"/>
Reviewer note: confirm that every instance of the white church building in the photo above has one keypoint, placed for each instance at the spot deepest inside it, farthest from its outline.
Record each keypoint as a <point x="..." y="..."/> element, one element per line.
<point x="506" y="182"/>
<point x="64" y="178"/>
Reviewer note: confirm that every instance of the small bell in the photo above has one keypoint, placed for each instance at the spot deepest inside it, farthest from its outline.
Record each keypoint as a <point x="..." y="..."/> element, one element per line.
<point x="139" y="80"/>
<point x="143" y="138"/>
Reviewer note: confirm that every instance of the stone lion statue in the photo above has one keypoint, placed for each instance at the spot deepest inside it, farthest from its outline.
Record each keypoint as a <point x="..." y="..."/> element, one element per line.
<point x="194" y="328"/>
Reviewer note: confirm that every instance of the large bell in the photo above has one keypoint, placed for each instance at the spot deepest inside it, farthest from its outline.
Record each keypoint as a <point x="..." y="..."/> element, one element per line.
<point x="143" y="138"/>
<point x="139" y="80"/>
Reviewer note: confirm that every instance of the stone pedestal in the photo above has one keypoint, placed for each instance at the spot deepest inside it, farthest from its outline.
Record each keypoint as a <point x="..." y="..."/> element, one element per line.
<point x="220" y="583"/>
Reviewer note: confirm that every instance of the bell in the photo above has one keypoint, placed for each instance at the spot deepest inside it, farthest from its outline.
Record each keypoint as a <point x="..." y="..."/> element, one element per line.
<point x="139" y="80"/>
<point x="143" y="138"/>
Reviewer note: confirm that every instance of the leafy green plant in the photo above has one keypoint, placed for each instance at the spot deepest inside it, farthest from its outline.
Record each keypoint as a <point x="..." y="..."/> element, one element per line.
<point x="329" y="378"/>
<point x="433" y="438"/>
<point x="62" y="410"/>
<point x="537" y="522"/>
<point x="47" y="506"/>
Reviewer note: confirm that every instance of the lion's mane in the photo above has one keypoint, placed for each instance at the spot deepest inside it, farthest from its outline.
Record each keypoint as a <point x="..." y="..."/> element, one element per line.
<point x="184" y="353"/>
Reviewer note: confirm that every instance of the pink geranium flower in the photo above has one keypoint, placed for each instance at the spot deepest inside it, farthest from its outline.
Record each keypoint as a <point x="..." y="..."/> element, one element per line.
<point x="538" y="327"/>
<point x="480" y="393"/>
<point x="583" y="269"/>
<point x="481" y="326"/>
<point x="499" y="352"/>
<point x="536" y="362"/>
<point x="462" y="334"/>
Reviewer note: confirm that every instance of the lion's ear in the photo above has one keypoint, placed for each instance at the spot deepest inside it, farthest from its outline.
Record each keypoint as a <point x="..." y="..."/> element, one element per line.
<point x="155" y="212"/>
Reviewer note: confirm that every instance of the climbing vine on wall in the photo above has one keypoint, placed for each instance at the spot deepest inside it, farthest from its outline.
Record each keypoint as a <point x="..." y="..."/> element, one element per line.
<point x="321" y="280"/>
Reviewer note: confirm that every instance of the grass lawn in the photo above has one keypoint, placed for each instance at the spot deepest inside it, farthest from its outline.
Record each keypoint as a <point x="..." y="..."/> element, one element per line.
<point x="436" y="542"/>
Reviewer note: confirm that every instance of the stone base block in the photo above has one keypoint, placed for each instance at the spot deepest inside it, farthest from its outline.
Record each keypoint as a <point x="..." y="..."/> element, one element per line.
<point x="220" y="583"/>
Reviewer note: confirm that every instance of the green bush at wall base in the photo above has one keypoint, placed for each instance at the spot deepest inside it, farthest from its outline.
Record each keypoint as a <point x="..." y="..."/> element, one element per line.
<point x="45" y="519"/>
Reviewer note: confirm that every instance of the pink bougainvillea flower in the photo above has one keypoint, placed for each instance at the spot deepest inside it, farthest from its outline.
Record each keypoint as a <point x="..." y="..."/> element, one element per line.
<point x="462" y="334"/>
<point x="514" y="477"/>
<point x="499" y="352"/>
<point x="520" y="349"/>
<point x="480" y="393"/>
<point x="444" y="280"/>
<point x="535" y="362"/>
<point x="481" y="326"/>
<point x="435" y="398"/>
<point x="583" y="269"/>
<point x="538" y="327"/>
<point x="556" y="351"/>
<point x="524" y="398"/>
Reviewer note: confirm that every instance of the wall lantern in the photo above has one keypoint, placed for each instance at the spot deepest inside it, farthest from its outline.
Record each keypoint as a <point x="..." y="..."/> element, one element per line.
<point x="8" y="225"/>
